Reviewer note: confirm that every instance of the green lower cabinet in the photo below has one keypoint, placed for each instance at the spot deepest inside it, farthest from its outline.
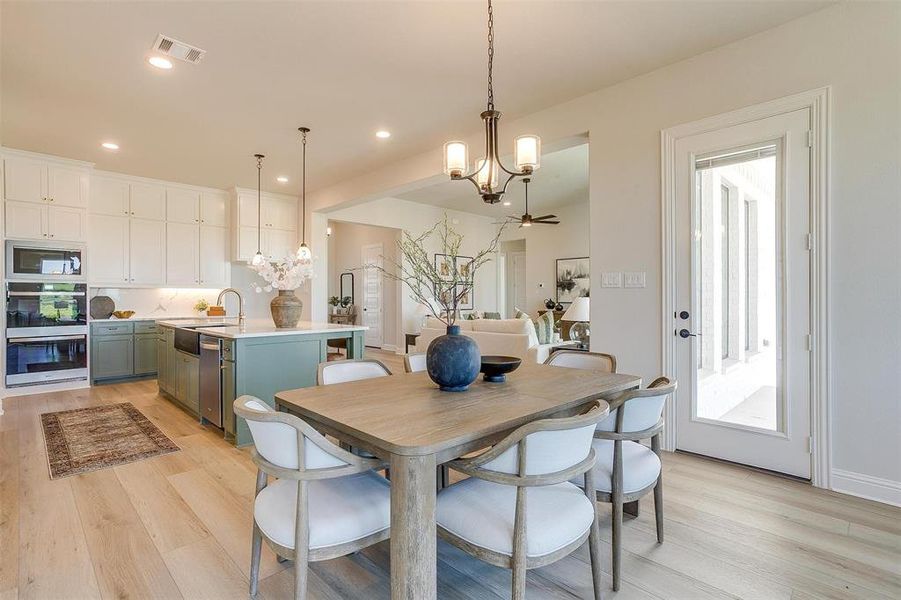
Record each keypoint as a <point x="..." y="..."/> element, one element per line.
<point x="228" y="397"/>
<point x="112" y="356"/>
<point x="187" y="381"/>
<point x="145" y="352"/>
<point x="162" y="362"/>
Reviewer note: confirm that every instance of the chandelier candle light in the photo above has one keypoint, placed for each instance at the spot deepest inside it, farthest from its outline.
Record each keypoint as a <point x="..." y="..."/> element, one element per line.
<point x="489" y="170"/>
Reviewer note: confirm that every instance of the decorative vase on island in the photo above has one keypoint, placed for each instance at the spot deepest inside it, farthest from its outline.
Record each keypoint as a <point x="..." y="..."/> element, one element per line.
<point x="453" y="360"/>
<point x="286" y="309"/>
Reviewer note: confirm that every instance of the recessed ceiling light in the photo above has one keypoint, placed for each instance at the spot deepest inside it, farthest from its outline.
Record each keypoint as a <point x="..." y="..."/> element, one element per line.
<point x="383" y="134"/>
<point x="159" y="62"/>
<point x="281" y="179"/>
<point x="110" y="145"/>
<point x="506" y="204"/>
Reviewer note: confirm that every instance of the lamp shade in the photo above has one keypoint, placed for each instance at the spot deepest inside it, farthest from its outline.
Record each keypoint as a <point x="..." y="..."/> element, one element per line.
<point x="527" y="152"/>
<point x="456" y="159"/>
<point x="578" y="310"/>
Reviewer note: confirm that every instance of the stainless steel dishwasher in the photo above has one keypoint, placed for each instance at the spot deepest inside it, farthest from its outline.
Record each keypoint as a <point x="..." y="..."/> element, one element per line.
<point x="211" y="379"/>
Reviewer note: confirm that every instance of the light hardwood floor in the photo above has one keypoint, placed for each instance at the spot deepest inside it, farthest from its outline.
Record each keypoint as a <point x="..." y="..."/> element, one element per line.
<point x="178" y="526"/>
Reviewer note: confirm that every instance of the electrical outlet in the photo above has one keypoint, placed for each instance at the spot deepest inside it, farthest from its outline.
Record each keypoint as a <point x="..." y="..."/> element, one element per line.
<point x="611" y="280"/>
<point x="636" y="279"/>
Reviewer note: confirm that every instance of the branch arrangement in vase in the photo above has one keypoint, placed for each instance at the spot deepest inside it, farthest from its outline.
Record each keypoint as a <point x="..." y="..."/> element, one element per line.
<point x="288" y="273"/>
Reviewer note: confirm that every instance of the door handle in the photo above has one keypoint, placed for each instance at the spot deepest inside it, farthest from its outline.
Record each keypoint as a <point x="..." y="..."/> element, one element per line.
<point x="684" y="334"/>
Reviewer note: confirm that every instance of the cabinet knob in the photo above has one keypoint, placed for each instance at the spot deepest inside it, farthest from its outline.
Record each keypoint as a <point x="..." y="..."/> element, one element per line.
<point x="132" y="212"/>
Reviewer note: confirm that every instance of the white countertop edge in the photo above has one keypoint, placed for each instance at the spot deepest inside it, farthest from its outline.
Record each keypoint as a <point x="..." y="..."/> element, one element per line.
<point x="147" y="318"/>
<point x="268" y="330"/>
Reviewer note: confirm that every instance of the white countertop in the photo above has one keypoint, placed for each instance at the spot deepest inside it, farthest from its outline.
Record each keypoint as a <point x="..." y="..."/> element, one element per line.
<point x="254" y="327"/>
<point x="147" y="318"/>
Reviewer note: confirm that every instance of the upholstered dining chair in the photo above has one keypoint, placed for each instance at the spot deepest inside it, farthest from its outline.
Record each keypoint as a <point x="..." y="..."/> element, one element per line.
<point x="325" y="502"/>
<point x="517" y="509"/>
<point x="626" y="470"/>
<point x="342" y="371"/>
<point x="414" y="363"/>
<point x="576" y="359"/>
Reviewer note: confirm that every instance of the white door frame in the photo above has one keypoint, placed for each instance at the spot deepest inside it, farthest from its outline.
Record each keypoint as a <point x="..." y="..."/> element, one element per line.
<point x="366" y="273"/>
<point x="818" y="101"/>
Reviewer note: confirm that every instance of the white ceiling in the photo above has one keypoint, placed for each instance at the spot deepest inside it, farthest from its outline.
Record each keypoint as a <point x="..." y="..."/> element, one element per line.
<point x="73" y="75"/>
<point x="561" y="180"/>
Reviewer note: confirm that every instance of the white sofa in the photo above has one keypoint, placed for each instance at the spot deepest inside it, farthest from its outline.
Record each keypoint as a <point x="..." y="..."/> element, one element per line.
<point x="505" y="337"/>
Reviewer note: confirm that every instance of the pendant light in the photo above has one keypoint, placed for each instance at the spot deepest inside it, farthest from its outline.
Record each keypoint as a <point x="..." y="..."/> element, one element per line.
<point x="490" y="170"/>
<point x="258" y="258"/>
<point x="303" y="252"/>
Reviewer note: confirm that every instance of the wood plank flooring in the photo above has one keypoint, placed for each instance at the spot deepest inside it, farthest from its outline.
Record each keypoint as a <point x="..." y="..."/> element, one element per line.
<point x="178" y="526"/>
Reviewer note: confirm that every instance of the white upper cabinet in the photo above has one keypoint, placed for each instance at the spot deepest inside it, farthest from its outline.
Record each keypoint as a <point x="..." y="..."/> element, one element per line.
<point x="182" y="205"/>
<point x="182" y="254"/>
<point x="279" y="243"/>
<point x="148" y="201"/>
<point x="278" y="219"/>
<point x="109" y="197"/>
<point x="214" y="265"/>
<point x="147" y="251"/>
<point x="25" y="180"/>
<point x="26" y="220"/>
<point x="66" y="224"/>
<point x="214" y="209"/>
<point x="107" y="254"/>
<point x="67" y="186"/>
<point x="247" y="209"/>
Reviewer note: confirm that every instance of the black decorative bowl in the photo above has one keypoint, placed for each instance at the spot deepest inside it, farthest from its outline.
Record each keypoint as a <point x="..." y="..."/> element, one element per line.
<point x="496" y="368"/>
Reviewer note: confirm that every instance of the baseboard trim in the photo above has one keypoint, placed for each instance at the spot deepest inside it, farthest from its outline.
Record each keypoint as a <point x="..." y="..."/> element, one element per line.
<point x="389" y="347"/>
<point x="867" y="486"/>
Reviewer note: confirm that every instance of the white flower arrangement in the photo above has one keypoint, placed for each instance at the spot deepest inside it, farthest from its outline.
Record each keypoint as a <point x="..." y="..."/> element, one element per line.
<point x="288" y="273"/>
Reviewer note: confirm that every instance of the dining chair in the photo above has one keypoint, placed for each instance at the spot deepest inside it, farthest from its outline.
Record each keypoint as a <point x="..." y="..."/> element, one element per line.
<point x="414" y="363"/>
<point x="517" y="509"/>
<point x="325" y="502"/>
<point x="626" y="470"/>
<point x="577" y="359"/>
<point x="342" y="371"/>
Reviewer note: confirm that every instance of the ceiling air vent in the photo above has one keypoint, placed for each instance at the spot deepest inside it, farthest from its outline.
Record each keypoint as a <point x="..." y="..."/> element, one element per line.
<point x="171" y="47"/>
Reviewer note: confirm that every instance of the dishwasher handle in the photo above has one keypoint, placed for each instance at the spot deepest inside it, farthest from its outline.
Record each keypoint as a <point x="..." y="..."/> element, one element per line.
<point x="207" y="346"/>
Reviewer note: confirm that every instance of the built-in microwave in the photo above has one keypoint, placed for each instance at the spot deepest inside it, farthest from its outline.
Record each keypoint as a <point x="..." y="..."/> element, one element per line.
<point x="43" y="261"/>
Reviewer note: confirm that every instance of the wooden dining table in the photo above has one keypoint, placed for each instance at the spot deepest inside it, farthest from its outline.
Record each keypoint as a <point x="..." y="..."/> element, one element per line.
<point x="412" y="425"/>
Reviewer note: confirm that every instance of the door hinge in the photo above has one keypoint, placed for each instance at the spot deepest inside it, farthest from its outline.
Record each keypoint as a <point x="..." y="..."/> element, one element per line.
<point x="810" y="342"/>
<point x="810" y="241"/>
<point x="810" y="138"/>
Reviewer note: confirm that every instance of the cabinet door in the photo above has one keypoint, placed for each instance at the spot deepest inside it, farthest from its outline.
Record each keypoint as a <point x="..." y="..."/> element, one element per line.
<point x="145" y="361"/>
<point x="107" y="249"/>
<point x="171" y="361"/>
<point x="162" y="376"/>
<point x="67" y="186"/>
<point x="147" y="251"/>
<point x="64" y="223"/>
<point x="182" y="206"/>
<point x="214" y="265"/>
<point x="109" y="197"/>
<point x="247" y="210"/>
<point x="25" y="180"/>
<point x="247" y="242"/>
<point x="279" y="213"/>
<point x="26" y="220"/>
<point x="112" y="356"/>
<point x="228" y="396"/>
<point x="279" y="243"/>
<point x="187" y="382"/>
<point x="182" y="244"/>
<point x="214" y="209"/>
<point x="147" y="201"/>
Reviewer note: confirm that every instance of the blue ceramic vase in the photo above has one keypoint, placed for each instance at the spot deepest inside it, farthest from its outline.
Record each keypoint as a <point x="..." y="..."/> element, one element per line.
<point x="453" y="361"/>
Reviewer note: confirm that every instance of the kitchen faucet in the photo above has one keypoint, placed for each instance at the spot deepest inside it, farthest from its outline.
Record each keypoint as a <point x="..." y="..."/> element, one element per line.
<point x="240" y="303"/>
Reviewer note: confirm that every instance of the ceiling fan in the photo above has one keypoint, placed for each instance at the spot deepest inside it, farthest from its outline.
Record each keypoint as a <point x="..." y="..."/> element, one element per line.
<point x="526" y="220"/>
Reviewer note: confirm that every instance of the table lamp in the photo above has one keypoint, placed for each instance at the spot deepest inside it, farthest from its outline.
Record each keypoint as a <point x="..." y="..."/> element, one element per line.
<point x="579" y="312"/>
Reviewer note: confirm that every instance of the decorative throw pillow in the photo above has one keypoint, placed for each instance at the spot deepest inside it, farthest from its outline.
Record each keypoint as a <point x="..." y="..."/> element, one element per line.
<point x="545" y="327"/>
<point x="520" y="314"/>
<point x="491" y="315"/>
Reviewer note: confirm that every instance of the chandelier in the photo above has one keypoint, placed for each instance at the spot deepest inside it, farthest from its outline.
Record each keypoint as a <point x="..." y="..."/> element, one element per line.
<point x="489" y="171"/>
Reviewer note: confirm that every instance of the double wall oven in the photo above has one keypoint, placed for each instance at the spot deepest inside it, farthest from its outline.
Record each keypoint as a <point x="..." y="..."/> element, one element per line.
<point x="46" y="314"/>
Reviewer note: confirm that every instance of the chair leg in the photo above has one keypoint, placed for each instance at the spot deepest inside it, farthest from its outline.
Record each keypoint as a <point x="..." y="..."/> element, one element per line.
<point x="594" y="537"/>
<point x="519" y="580"/>
<point x="658" y="508"/>
<point x="617" y="541"/>
<point x="632" y="508"/>
<point x="301" y="574"/>
<point x="255" y="550"/>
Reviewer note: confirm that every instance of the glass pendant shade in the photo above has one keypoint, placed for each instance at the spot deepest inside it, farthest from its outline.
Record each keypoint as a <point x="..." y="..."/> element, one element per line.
<point x="486" y="174"/>
<point x="456" y="159"/>
<point x="258" y="259"/>
<point x="527" y="149"/>
<point x="304" y="252"/>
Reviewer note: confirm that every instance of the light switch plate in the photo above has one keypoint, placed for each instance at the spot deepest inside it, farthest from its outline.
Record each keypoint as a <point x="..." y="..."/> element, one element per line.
<point x="635" y="279"/>
<point x="611" y="280"/>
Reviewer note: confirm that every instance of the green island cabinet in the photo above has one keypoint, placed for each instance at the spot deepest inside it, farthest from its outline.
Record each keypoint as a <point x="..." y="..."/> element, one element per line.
<point x="179" y="372"/>
<point x="121" y="350"/>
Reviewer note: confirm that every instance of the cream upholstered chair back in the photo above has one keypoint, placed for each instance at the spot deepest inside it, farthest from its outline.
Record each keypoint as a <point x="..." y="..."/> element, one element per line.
<point x="414" y="363"/>
<point x="277" y="436"/>
<point x="641" y="409"/>
<point x="576" y="359"/>
<point x="342" y="371"/>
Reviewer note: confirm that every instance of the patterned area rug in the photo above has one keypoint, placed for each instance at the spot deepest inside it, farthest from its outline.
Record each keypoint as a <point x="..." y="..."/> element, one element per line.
<point x="87" y="439"/>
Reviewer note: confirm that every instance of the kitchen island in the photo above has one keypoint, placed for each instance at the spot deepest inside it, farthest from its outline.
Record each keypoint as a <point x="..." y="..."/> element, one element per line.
<point x="254" y="358"/>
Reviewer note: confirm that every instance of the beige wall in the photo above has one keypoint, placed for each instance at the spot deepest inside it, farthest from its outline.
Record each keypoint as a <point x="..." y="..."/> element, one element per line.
<point x="853" y="47"/>
<point x="345" y="254"/>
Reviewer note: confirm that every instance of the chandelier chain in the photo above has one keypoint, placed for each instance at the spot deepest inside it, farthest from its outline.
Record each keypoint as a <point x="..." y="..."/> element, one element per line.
<point x="490" y="56"/>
